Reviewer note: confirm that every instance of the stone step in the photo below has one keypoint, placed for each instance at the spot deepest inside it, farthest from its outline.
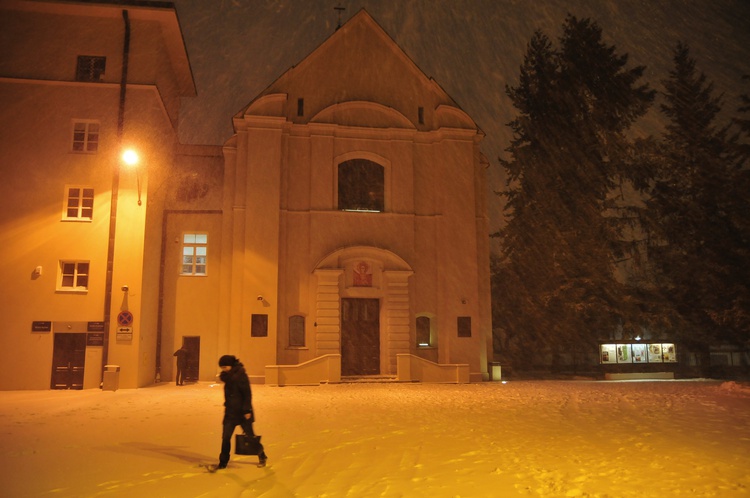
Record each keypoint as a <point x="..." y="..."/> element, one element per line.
<point x="368" y="379"/>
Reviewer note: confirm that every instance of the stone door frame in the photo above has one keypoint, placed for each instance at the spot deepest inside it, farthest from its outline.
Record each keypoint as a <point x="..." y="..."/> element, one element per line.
<point x="390" y="285"/>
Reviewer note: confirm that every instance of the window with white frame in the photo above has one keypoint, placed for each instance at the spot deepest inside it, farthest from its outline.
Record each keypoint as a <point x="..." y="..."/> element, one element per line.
<point x="85" y="137"/>
<point x="74" y="275"/>
<point x="194" y="253"/>
<point x="79" y="203"/>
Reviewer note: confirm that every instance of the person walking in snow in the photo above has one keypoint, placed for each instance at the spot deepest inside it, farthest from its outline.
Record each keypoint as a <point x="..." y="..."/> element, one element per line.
<point x="182" y="358"/>
<point x="238" y="407"/>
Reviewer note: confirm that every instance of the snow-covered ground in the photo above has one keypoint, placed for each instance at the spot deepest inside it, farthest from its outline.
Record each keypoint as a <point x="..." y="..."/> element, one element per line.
<point x="523" y="438"/>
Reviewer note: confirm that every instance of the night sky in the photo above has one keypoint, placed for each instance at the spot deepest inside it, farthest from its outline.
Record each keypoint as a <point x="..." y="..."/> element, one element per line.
<point x="472" y="48"/>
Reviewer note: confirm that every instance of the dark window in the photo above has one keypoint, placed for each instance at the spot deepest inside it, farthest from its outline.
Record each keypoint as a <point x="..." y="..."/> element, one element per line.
<point x="361" y="186"/>
<point x="259" y="326"/>
<point x="464" y="326"/>
<point x="300" y="107"/>
<point x="90" y="68"/>
<point x="297" y="331"/>
<point x="423" y="331"/>
<point x="421" y="115"/>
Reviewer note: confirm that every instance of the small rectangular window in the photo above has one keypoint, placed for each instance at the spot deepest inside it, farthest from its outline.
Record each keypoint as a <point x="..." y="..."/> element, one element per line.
<point x="85" y="137"/>
<point x="90" y="68"/>
<point x="464" y="326"/>
<point x="79" y="204"/>
<point x="300" y="107"/>
<point x="194" y="254"/>
<point x="74" y="275"/>
<point x="421" y="115"/>
<point x="259" y="326"/>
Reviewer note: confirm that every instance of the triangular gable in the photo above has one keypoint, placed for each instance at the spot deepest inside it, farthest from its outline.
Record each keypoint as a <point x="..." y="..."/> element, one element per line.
<point x="359" y="62"/>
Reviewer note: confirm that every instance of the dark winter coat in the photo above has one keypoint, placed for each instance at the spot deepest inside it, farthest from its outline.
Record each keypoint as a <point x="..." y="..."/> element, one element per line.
<point x="238" y="398"/>
<point x="181" y="355"/>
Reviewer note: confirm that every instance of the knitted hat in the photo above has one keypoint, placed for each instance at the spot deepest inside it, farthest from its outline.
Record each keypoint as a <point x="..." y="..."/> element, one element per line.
<point x="227" y="360"/>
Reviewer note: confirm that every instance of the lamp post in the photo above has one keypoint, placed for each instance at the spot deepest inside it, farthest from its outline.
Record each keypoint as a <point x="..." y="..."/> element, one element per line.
<point x="115" y="191"/>
<point x="129" y="158"/>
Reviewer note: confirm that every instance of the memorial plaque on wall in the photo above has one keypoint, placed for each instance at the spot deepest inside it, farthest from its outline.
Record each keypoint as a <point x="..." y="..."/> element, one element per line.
<point x="41" y="326"/>
<point x="259" y="325"/>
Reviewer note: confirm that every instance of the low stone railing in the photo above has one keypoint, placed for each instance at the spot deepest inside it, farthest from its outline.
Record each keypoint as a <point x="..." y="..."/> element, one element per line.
<point x="323" y="369"/>
<point x="412" y="368"/>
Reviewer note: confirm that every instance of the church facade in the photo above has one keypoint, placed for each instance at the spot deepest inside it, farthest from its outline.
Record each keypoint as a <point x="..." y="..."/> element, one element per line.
<point x="355" y="213"/>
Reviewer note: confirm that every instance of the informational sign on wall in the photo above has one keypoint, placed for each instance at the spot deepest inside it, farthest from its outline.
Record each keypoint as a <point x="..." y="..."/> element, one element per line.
<point x="95" y="339"/>
<point x="124" y="333"/>
<point x="95" y="327"/>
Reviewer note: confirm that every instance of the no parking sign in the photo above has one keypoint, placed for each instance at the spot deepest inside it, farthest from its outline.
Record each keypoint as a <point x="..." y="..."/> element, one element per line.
<point x="125" y="319"/>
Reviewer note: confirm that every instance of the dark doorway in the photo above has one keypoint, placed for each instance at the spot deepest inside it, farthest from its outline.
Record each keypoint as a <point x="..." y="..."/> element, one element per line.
<point x="360" y="336"/>
<point x="193" y="346"/>
<point x="68" y="359"/>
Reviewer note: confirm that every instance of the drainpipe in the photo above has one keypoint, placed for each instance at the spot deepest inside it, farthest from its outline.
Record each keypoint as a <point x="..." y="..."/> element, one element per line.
<point x="160" y="310"/>
<point x="115" y="190"/>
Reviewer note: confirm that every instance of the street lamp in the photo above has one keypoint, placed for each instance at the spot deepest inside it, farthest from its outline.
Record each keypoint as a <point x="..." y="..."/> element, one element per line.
<point x="131" y="159"/>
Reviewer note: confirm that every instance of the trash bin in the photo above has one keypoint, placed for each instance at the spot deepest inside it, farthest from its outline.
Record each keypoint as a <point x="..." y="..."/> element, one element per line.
<point x="496" y="371"/>
<point x="111" y="379"/>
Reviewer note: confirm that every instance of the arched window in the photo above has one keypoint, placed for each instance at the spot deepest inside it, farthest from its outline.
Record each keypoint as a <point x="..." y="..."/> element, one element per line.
<point x="361" y="186"/>
<point x="426" y="337"/>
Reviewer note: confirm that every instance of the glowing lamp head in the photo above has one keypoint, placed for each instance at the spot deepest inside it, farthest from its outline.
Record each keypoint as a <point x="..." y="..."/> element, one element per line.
<point x="130" y="157"/>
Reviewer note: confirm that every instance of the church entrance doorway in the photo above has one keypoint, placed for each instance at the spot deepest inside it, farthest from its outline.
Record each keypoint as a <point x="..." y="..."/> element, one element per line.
<point x="360" y="336"/>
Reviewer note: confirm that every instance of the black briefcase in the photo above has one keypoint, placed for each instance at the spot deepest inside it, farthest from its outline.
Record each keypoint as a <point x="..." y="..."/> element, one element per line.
<point x="246" y="445"/>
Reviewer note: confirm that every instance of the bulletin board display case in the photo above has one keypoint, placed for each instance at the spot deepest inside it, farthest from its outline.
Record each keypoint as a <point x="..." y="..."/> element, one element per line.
<point x="638" y="352"/>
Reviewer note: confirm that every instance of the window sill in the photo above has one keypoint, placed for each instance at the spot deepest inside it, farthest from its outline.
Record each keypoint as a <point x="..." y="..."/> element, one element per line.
<point x="71" y="291"/>
<point x="298" y="348"/>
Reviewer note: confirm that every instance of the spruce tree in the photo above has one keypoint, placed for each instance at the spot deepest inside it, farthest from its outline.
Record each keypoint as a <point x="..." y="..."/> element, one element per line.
<point x="743" y="122"/>
<point x="555" y="284"/>
<point x="698" y="213"/>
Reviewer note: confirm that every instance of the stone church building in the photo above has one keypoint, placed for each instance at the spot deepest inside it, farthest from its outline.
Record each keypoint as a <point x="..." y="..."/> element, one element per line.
<point x="340" y="232"/>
